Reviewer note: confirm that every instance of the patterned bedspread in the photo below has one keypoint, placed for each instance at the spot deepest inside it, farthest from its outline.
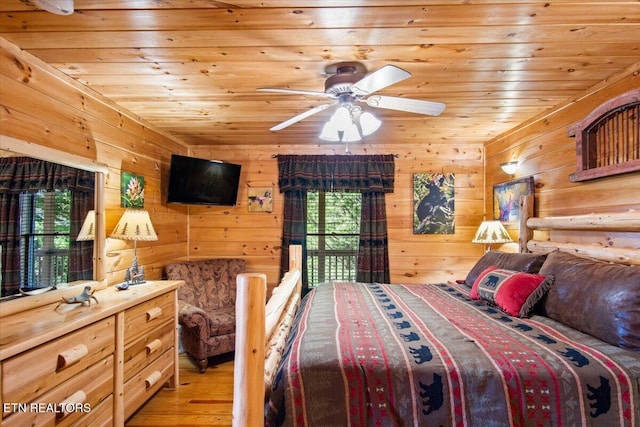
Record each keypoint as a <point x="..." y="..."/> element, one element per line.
<point x="427" y="355"/>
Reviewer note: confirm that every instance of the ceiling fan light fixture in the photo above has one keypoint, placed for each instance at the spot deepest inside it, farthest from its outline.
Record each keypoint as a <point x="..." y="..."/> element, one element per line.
<point x="351" y="134"/>
<point x="369" y="123"/>
<point x="341" y="119"/>
<point x="59" y="7"/>
<point x="329" y="132"/>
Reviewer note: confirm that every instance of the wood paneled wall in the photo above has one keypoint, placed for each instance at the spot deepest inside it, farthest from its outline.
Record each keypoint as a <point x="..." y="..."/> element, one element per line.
<point x="546" y="152"/>
<point x="255" y="236"/>
<point x="44" y="107"/>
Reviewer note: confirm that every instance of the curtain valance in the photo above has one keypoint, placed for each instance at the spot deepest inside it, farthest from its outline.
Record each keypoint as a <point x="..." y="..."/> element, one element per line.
<point x="26" y="174"/>
<point x="364" y="173"/>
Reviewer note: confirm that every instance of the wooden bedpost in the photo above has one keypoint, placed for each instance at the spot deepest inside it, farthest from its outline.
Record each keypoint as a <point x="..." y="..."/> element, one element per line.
<point x="295" y="263"/>
<point x="248" y="386"/>
<point x="261" y="331"/>
<point x="526" y="212"/>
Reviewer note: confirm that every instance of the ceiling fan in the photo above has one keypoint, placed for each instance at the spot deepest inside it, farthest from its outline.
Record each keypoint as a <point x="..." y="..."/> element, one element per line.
<point x="348" y="84"/>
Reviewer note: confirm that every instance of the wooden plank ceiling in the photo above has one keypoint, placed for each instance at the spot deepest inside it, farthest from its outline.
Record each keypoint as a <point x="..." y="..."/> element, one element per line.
<point x="191" y="67"/>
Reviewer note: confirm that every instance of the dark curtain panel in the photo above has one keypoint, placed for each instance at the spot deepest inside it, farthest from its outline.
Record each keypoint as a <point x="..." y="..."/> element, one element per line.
<point x="294" y="230"/>
<point x="80" y="253"/>
<point x="373" y="250"/>
<point x="10" y="241"/>
<point x="373" y="176"/>
<point x="25" y="174"/>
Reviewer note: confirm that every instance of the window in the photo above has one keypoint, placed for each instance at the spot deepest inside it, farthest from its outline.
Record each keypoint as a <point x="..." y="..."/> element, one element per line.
<point x="45" y="228"/>
<point x="333" y="232"/>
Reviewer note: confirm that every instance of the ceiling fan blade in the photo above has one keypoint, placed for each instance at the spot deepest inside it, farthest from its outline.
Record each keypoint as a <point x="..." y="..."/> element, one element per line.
<point x="383" y="77"/>
<point x="417" y="106"/>
<point x="296" y="92"/>
<point x="301" y="116"/>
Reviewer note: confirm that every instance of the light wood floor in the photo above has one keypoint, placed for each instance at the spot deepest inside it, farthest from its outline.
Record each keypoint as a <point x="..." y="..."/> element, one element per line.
<point x="200" y="400"/>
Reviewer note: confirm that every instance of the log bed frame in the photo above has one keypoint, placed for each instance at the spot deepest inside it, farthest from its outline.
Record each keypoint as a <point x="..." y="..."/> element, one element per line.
<point x="261" y="330"/>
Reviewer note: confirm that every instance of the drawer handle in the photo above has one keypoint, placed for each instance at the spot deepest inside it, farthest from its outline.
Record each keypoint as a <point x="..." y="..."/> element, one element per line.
<point x="152" y="379"/>
<point x="153" y="346"/>
<point x="71" y="356"/>
<point x="153" y="313"/>
<point x="68" y="405"/>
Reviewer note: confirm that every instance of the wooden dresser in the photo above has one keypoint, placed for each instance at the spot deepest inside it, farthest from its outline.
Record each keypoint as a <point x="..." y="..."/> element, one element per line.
<point x="89" y="365"/>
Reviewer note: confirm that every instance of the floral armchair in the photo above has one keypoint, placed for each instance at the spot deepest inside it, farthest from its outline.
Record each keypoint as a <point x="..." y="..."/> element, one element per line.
<point x="206" y="305"/>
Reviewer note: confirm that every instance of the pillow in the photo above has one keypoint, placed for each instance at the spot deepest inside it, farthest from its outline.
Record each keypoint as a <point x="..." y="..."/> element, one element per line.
<point x="527" y="263"/>
<point x="516" y="293"/>
<point x="595" y="297"/>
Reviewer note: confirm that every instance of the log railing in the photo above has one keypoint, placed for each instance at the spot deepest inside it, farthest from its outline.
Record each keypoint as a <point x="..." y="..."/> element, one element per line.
<point x="261" y="332"/>
<point x="614" y="222"/>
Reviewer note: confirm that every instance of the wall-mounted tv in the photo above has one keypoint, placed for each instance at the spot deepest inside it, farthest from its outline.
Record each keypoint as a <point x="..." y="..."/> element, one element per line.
<point x="202" y="182"/>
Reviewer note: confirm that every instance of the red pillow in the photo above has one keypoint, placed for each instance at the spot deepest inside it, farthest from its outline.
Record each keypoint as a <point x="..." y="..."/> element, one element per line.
<point x="516" y="293"/>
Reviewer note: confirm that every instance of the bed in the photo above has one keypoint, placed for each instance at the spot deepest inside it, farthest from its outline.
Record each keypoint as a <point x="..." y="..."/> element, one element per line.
<point x="470" y="353"/>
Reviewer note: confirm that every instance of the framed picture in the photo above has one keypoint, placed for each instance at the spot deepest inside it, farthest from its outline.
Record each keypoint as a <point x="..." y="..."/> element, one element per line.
<point x="506" y="200"/>
<point x="260" y="199"/>
<point x="131" y="190"/>
<point x="433" y="203"/>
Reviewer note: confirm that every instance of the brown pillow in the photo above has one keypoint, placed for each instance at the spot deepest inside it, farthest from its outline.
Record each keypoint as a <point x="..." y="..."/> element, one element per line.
<point x="526" y="263"/>
<point x="595" y="297"/>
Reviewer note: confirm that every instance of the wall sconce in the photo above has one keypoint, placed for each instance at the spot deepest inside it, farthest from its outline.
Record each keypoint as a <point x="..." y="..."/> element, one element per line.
<point x="135" y="225"/>
<point x="59" y="7"/>
<point x="509" y="168"/>
<point x="88" y="230"/>
<point x="491" y="232"/>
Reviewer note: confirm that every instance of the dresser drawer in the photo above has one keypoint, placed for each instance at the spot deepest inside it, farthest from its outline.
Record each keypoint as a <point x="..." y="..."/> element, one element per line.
<point x="71" y="401"/>
<point x="146" y="349"/>
<point x="34" y="372"/>
<point x="142" y="319"/>
<point x="144" y="384"/>
<point x="100" y="416"/>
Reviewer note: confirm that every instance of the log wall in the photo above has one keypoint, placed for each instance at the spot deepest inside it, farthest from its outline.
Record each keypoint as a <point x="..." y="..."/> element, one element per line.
<point x="546" y="152"/>
<point x="44" y="107"/>
<point x="415" y="258"/>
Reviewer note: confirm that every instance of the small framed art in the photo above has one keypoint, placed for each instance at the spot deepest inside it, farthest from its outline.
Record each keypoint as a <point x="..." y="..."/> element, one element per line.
<point x="131" y="190"/>
<point x="506" y="200"/>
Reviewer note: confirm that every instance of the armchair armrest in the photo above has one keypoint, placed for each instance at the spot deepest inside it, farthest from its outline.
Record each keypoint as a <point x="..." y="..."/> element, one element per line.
<point x="193" y="317"/>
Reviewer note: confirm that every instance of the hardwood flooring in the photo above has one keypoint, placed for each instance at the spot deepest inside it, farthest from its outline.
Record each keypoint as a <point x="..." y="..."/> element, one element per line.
<point x="200" y="400"/>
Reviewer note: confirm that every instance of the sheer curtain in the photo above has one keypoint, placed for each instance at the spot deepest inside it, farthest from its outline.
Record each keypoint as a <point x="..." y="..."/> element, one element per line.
<point x="25" y="174"/>
<point x="371" y="175"/>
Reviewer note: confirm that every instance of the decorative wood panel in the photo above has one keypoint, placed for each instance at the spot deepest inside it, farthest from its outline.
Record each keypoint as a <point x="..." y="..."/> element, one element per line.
<point x="608" y="138"/>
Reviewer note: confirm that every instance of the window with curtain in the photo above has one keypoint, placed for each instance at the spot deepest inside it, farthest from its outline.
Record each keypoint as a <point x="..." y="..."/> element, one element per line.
<point x="372" y="176"/>
<point x="43" y="204"/>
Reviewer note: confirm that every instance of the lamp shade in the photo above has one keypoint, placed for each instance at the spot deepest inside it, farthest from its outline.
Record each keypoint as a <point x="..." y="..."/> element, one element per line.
<point x="88" y="230"/>
<point x="135" y="225"/>
<point x="491" y="232"/>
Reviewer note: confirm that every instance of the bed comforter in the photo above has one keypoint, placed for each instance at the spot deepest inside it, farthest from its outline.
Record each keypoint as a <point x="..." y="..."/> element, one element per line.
<point x="428" y="355"/>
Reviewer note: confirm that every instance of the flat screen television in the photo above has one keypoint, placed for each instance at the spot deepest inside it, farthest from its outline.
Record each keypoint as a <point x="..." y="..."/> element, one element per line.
<point x="202" y="182"/>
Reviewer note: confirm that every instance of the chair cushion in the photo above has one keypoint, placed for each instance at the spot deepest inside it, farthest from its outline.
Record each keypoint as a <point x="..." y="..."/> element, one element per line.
<point x="222" y="321"/>
<point x="210" y="284"/>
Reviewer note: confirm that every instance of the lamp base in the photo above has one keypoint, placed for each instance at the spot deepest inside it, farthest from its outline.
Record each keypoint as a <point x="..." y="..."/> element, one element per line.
<point x="134" y="275"/>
